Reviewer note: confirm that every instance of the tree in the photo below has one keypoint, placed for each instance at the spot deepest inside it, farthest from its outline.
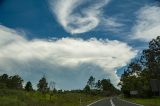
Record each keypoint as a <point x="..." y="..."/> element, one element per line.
<point x="91" y="82"/>
<point x="28" y="86"/>
<point x="151" y="58"/>
<point x="98" y="85"/>
<point x="15" y="82"/>
<point x="42" y="85"/>
<point x="4" y="78"/>
<point x="3" y="81"/>
<point x="131" y="74"/>
<point x="11" y="82"/>
<point x="102" y="87"/>
<point x="138" y="74"/>
<point x="87" y="89"/>
<point x="106" y="85"/>
<point x="134" y="82"/>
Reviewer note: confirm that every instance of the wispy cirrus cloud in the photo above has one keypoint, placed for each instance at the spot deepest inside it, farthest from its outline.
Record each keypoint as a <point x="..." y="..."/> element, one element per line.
<point x="112" y="24"/>
<point x="147" y="25"/>
<point x="78" y="16"/>
<point x="65" y="57"/>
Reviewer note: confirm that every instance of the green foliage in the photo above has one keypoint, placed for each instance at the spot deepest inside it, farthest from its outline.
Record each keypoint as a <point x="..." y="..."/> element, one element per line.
<point x="11" y="82"/>
<point x="91" y="82"/>
<point x="137" y="80"/>
<point x="15" y="82"/>
<point x="23" y="98"/>
<point x="4" y="81"/>
<point x="151" y="58"/>
<point x="155" y="101"/>
<point x="87" y="89"/>
<point x="98" y="85"/>
<point x="42" y="85"/>
<point x="102" y="87"/>
<point x="106" y="85"/>
<point x="28" y="86"/>
<point x="138" y="74"/>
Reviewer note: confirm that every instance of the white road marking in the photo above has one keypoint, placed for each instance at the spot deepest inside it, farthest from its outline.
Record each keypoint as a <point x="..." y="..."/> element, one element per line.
<point x="112" y="102"/>
<point x="95" y="102"/>
<point x="131" y="102"/>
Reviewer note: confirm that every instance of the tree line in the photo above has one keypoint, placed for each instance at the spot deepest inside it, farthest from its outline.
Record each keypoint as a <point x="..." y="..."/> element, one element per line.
<point x="16" y="82"/>
<point x="139" y="73"/>
<point x="100" y="87"/>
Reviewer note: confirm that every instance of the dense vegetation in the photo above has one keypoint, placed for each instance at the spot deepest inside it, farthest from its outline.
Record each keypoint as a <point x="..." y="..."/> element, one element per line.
<point x="10" y="82"/>
<point x="102" y="87"/>
<point x="154" y="101"/>
<point x="138" y="74"/>
<point x="23" y="98"/>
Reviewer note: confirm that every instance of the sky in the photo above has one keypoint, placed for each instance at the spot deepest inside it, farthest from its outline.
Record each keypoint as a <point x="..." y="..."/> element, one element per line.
<point x="70" y="40"/>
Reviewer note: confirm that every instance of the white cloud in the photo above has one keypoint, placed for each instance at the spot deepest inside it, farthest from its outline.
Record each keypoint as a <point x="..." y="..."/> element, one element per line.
<point x="112" y="24"/>
<point x="66" y="54"/>
<point x="78" y="16"/>
<point x="147" y="26"/>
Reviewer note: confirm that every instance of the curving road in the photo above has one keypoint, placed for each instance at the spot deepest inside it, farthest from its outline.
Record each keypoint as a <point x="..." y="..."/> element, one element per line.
<point x="113" y="102"/>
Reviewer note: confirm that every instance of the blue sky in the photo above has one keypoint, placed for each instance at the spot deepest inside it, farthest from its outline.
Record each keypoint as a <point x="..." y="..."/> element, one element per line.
<point x="70" y="40"/>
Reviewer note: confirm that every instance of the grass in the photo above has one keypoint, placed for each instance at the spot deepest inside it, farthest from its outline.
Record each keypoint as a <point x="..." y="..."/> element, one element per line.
<point x="155" y="101"/>
<point x="22" y="98"/>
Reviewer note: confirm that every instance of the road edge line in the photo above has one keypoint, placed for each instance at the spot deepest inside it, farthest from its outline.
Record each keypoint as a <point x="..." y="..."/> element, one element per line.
<point x="130" y="102"/>
<point x="112" y="102"/>
<point x="95" y="102"/>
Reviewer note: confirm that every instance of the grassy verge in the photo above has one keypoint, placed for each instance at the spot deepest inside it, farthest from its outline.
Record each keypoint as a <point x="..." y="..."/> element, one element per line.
<point x="155" y="101"/>
<point x="22" y="98"/>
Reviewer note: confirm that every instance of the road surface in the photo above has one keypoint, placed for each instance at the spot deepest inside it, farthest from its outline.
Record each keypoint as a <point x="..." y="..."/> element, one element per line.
<point x="113" y="102"/>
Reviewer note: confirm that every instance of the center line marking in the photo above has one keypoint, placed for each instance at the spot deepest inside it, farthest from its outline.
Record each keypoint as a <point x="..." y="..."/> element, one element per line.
<point x="112" y="102"/>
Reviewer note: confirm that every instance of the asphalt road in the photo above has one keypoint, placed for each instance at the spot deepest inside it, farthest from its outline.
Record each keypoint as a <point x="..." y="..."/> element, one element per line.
<point x="113" y="102"/>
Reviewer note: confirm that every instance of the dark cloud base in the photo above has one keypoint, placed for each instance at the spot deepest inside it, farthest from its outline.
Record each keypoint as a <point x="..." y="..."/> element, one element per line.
<point x="65" y="78"/>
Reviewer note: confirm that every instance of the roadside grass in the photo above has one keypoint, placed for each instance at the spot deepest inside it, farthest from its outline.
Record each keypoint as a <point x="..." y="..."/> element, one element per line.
<point x="154" y="101"/>
<point x="23" y="98"/>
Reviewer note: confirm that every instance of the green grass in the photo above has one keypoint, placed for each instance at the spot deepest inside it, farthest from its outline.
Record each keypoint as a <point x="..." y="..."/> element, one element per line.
<point x="22" y="98"/>
<point x="155" y="101"/>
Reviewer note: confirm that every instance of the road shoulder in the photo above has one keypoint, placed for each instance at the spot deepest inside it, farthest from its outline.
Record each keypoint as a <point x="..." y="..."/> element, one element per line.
<point x="130" y="102"/>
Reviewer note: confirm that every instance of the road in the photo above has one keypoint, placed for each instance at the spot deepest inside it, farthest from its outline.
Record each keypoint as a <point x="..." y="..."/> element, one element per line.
<point x="113" y="102"/>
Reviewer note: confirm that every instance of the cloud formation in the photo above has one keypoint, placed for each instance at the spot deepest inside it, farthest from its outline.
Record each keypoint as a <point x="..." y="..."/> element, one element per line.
<point x="148" y="23"/>
<point x="112" y="24"/>
<point x="61" y="59"/>
<point x="78" y="16"/>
